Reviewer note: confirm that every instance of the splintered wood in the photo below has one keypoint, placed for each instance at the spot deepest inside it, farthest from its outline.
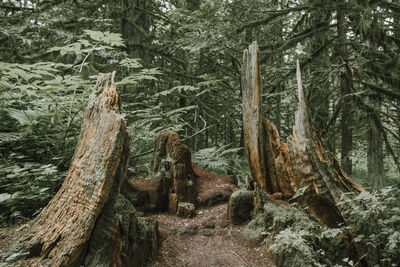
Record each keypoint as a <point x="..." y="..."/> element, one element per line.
<point x="303" y="163"/>
<point x="88" y="215"/>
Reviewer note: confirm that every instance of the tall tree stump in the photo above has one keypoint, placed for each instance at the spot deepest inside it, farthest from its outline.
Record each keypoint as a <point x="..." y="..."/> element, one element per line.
<point x="302" y="167"/>
<point x="88" y="221"/>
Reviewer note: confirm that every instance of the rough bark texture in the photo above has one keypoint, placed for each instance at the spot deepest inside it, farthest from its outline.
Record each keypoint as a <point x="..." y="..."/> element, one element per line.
<point x="374" y="150"/>
<point x="303" y="166"/>
<point x="88" y="218"/>
<point x="171" y="173"/>
<point x="345" y="82"/>
<point x="253" y="131"/>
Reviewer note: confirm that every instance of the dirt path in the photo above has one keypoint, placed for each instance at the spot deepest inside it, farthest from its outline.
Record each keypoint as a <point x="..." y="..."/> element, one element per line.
<point x="206" y="240"/>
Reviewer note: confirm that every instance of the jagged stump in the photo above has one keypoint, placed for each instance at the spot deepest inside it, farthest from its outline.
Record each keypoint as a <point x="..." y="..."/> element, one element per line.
<point x="303" y="163"/>
<point x="172" y="179"/>
<point x="88" y="221"/>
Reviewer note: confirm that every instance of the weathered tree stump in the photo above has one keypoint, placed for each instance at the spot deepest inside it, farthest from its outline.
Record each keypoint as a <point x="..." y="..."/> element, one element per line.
<point x="88" y="221"/>
<point x="171" y="178"/>
<point x="303" y="165"/>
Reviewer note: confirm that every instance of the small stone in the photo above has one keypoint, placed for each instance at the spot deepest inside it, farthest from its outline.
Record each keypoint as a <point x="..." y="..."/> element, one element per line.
<point x="189" y="230"/>
<point x="186" y="209"/>
<point x="223" y="224"/>
<point x="209" y="225"/>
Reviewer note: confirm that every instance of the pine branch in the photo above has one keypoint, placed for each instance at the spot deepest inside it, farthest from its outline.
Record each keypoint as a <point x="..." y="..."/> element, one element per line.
<point x="270" y="18"/>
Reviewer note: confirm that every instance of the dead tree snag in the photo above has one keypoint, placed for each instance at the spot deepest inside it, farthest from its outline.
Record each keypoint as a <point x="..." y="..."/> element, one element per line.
<point x="88" y="221"/>
<point x="253" y="130"/>
<point x="303" y="163"/>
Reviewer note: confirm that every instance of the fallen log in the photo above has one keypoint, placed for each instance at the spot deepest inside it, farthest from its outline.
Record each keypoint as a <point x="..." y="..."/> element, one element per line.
<point x="303" y="168"/>
<point x="88" y="221"/>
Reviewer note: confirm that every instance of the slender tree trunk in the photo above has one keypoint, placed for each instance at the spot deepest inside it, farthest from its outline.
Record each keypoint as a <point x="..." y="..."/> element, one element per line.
<point x="134" y="27"/>
<point x="375" y="151"/>
<point x="253" y="130"/>
<point x="345" y="81"/>
<point x="278" y="111"/>
<point x="319" y="93"/>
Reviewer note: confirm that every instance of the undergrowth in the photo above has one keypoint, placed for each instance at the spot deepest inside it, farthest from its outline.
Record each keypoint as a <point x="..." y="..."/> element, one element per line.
<point x="371" y="237"/>
<point x="224" y="160"/>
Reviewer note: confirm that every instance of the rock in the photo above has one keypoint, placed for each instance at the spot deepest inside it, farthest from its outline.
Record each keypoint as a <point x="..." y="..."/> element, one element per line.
<point x="209" y="225"/>
<point x="189" y="230"/>
<point x="240" y="206"/>
<point x="186" y="209"/>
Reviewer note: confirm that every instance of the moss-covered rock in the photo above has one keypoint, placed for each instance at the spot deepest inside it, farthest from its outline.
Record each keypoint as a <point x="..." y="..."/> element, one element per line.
<point x="240" y="206"/>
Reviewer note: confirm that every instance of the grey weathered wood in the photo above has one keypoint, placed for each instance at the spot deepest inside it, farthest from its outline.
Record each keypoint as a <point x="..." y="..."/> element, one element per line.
<point x="64" y="233"/>
<point x="304" y="162"/>
<point x="253" y="131"/>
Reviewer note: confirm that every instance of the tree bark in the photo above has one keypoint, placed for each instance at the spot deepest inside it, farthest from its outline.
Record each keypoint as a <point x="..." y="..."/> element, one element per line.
<point x="345" y="81"/>
<point x="88" y="220"/>
<point x="171" y="178"/>
<point x="253" y="131"/>
<point x="303" y="167"/>
<point x="375" y="151"/>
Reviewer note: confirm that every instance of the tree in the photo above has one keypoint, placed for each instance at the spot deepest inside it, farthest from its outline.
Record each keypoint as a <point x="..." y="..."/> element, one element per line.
<point x="346" y="84"/>
<point x="303" y="168"/>
<point x="89" y="208"/>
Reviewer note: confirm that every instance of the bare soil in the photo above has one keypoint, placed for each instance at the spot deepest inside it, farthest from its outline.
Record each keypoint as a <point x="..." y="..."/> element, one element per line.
<point x="207" y="239"/>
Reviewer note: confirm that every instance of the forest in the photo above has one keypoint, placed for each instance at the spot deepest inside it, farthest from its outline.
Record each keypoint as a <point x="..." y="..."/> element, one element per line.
<point x="132" y="130"/>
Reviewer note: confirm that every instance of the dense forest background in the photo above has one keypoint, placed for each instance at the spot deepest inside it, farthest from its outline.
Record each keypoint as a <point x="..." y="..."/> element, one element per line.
<point x="178" y="68"/>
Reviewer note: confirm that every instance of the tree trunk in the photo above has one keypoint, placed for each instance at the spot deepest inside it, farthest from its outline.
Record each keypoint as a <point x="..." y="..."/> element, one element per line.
<point x="134" y="27"/>
<point x="302" y="168"/>
<point x="88" y="221"/>
<point x="253" y="131"/>
<point x="375" y="152"/>
<point x="345" y="81"/>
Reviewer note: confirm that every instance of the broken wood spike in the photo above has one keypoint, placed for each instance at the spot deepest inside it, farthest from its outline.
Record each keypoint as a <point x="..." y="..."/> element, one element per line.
<point x="304" y="162"/>
<point x="89" y="208"/>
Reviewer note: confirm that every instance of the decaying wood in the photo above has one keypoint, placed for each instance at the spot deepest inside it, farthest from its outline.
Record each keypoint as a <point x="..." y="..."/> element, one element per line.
<point x="88" y="215"/>
<point x="171" y="178"/>
<point x="253" y="131"/>
<point x="303" y="164"/>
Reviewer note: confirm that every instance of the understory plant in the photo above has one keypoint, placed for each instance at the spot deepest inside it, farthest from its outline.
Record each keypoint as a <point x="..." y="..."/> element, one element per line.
<point x="371" y="236"/>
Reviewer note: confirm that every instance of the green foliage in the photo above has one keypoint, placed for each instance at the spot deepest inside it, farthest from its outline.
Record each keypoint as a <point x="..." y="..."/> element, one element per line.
<point x="41" y="108"/>
<point x="297" y="239"/>
<point x="376" y="230"/>
<point x="25" y="189"/>
<point x="224" y="160"/>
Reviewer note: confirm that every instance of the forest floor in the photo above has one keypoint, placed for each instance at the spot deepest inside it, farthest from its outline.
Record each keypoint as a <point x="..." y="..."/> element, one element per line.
<point x="206" y="240"/>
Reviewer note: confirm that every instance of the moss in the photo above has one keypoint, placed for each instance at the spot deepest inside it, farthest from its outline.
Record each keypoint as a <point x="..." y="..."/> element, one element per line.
<point x="295" y="239"/>
<point x="255" y="230"/>
<point x="240" y="206"/>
